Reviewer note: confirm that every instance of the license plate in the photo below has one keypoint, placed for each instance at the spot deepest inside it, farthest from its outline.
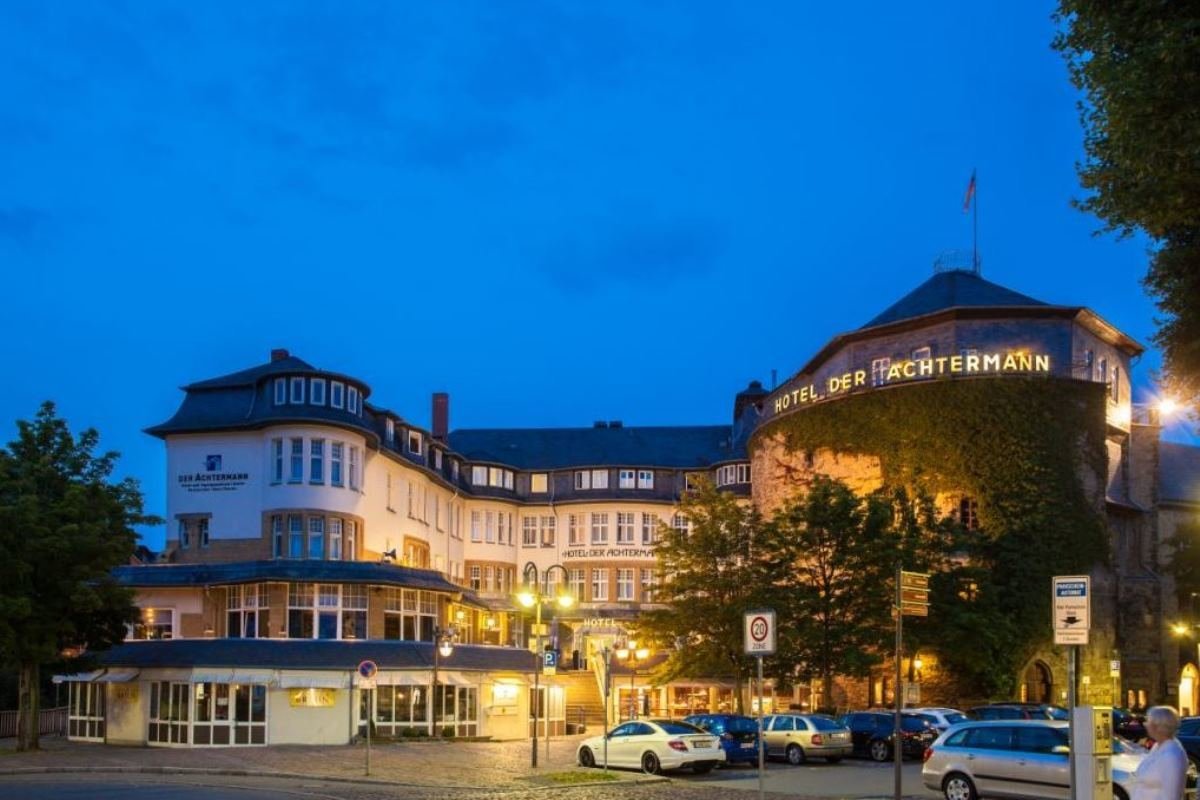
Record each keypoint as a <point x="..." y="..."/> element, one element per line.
<point x="840" y="737"/>
<point x="701" y="744"/>
<point x="747" y="745"/>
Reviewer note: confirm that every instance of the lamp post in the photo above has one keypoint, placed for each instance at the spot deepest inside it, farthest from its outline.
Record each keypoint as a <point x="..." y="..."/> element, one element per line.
<point x="443" y="640"/>
<point x="632" y="654"/>
<point x="531" y="596"/>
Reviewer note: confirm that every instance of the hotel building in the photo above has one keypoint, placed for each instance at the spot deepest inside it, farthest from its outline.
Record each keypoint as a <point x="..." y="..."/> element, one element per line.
<point x="311" y="529"/>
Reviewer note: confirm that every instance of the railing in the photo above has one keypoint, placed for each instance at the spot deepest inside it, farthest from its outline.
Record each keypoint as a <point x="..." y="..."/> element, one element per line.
<point x="52" y="721"/>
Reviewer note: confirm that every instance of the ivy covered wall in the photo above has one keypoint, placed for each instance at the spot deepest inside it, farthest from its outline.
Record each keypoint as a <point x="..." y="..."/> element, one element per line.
<point x="1030" y="451"/>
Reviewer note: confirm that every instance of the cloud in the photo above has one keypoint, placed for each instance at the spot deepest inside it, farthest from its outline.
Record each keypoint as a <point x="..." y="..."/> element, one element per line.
<point x="642" y="253"/>
<point x="23" y="225"/>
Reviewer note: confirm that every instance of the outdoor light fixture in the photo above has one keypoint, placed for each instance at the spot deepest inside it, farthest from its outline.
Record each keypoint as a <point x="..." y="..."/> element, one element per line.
<point x="387" y="555"/>
<point x="530" y="596"/>
<point x="565" y="601"/>
<point x="526" y="598"/>
<point x="1179" y="628"/>
<point x="917" y="662"/>
<point x="489" y="622"/>
<point x="460" y="615"/>
<point x="445" y="647"/>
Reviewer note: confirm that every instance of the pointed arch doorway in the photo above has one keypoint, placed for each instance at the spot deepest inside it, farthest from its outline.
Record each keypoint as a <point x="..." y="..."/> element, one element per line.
<point x="1037" y="685"/>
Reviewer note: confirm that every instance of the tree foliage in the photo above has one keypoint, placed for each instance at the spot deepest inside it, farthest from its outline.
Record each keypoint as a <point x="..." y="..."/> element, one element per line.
<point x="64" y="525"/>
<point x="1137" y="63"/>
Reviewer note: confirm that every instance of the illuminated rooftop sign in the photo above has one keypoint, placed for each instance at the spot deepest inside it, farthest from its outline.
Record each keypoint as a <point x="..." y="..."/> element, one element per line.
<point x="911" y="370"/>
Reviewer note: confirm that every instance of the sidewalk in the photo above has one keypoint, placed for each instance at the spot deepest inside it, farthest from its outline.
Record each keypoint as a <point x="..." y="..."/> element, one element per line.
<point x="434" y="763"/>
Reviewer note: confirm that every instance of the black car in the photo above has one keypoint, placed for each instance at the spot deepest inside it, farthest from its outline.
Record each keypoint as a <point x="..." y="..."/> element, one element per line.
<point x="993" y="711"/>
<point x="1128" y="725"/>
<point x="872" y="734"/>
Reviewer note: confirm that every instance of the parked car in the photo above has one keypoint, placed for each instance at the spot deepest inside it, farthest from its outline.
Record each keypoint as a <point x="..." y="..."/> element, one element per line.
<point x="1129" y="725"/>
<point x="943" y="718"/>
<point x="872" y="734"/>
<point x="1003" y="711"/>
<point x="798" y="737"/>
<point x="1189" y="737"/>
<point x="738" y="734"/>
<point x="1013" y="758"/>
<point x="653" y="745"/>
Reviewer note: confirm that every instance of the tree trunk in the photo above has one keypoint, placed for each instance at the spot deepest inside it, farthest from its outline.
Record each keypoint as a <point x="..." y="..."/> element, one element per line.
<point x="738" y="696"/>
<point x="827" y="691"/>
<point x="28" y="707"/>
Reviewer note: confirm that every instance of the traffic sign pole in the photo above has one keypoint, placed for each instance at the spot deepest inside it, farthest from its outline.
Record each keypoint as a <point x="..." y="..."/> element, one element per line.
<point x="759" y="642"/>
<point x="897" y="734"/>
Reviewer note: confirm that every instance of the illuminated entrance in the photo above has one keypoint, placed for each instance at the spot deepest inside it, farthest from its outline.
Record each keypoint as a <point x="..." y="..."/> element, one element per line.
<point x="1189" y="687"/>
<point x="1037" y="686"/>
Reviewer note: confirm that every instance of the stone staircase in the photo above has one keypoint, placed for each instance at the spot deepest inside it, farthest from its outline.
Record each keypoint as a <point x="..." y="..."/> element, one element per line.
<point x="584" y="703"/>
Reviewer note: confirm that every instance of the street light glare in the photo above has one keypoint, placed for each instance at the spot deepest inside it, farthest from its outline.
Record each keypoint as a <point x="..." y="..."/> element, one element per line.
<point x="526" y="598"/>
<point x="1179" y="629"/>
<point x="565" y="601"/>
<point x="1167" y="406"/>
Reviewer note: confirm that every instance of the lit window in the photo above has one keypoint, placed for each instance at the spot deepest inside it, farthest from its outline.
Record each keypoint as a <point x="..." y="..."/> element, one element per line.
<point x="351" y="546"/>
<point x="297" y="466"/>
<point x="155" y="623"/>
<point x="494" y="477"/>
<point x="599" y="528"/>
<point x="645" y="479"/>
<point x="599" y="479"/>
<point x="879" y="371"/>
<point x="316" y="392"/>
<point x="316" y="461"/>
<point x="583" y="479"/>
<point x="539" y="483"/>
<point x="577" y="582"/>
<point x="625" y="529"/>
<point x="280" y="391"/>
<point x="297" y="390"/>
<point x="626" y="479"/>
<point x="337" y="394"/>
<point x="624" y="584"/>
<point x="476" y="584"/>
<point x="599" y="584"/>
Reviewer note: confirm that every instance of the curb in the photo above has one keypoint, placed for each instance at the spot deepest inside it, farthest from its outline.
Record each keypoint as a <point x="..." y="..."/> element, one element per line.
<point x="244" y="773"/>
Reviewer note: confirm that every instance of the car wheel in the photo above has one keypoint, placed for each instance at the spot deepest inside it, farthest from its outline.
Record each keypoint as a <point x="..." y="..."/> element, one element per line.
<point x="650" y="764"/>
<point x="586" y="759"/>
<point x="795" y="754"/>
<point x="957" y="786"/>
<point x="879" y="750"/>
<point x="702" y="767"/>
<point x="1119" y="793"/>
<point x="833" y="759"/>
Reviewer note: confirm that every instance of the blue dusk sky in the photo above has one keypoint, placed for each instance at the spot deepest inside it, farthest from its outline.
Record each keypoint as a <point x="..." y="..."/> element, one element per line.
<point x="555" y="211"/>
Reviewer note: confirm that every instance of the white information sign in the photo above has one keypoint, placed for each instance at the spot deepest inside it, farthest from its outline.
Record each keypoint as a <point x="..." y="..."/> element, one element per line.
<point x="760" y="632"/>
<point x="1072" y="599"/>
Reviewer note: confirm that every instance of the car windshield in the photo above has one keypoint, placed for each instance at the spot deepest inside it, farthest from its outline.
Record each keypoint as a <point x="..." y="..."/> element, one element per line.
<point x="1057" y="712"/>
<point x="824" y="724"/>
<point x="913" y="722"/>
<point x="677" y="727"/>
<point x="741" y="725"/>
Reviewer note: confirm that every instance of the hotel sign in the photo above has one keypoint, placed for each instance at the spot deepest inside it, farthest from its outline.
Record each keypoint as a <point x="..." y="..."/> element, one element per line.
<point x="214" y="478"/>
<point x="911" y="370"/>
<point x="608" y="552"/>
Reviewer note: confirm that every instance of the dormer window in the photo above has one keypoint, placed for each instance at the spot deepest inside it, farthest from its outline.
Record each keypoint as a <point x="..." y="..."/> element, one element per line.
<point x="280" y="391"/>
<point x="437" y="459"/>
<point x="390" y="431"/>
<point x="352" y="400"/>
<point x="316" y="392"/>
<point x="337" y="394"/>
<point x="414" y="443"/>
<point x="297" y="390"/>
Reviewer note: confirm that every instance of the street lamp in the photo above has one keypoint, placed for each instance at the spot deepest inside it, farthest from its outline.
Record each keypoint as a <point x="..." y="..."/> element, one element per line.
<point x="443" y="641"/>
<point x="531" y="596"/>
<point x="631" y="653"/>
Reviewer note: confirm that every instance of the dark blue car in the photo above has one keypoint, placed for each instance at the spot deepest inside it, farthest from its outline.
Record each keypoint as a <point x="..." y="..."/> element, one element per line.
<point x="739" y="735"/>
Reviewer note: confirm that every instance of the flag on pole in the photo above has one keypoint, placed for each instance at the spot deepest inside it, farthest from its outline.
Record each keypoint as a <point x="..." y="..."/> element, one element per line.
<point x="970" y="193"/>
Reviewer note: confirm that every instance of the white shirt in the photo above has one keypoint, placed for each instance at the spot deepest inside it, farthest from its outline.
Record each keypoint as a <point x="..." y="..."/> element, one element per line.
<point x="1162" y="774"/>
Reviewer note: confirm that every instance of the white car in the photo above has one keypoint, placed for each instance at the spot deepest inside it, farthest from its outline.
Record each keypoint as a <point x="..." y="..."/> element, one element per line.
<point x="943" y="718"/>
<point x="653" y="745"/>
<point x="1013" y="758"/>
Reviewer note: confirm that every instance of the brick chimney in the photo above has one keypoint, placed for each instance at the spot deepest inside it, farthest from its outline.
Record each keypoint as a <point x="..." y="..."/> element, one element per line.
<point x="279" y="354"/>
<point x="441" y="415"/>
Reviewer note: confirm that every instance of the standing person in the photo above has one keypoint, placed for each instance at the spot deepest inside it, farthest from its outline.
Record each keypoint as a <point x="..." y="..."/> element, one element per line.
<point x="1162" y="774"/>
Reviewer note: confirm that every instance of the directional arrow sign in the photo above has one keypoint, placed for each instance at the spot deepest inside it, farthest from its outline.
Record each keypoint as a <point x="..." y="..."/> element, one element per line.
<point x="1072" y="597"/>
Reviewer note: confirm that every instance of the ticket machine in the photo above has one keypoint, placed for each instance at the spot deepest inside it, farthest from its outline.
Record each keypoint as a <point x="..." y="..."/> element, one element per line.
<point x="1092" y="728"/>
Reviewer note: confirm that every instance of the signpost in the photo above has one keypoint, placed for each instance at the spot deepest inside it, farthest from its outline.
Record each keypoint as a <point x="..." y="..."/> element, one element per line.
<point x="1071" y="619"/>
<point x="367" y="670"/>
<point x="912" y="599"/>
<point x="549" y="664"/>
<point x="759" y="642"/>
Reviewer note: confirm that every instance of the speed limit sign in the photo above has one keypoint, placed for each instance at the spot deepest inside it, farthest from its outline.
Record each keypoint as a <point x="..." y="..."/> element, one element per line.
<point x="760" y="632"/>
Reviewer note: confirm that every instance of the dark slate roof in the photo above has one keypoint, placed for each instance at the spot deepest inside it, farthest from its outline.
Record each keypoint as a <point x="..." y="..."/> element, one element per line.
<point x="311" y="654"/>
<point x="679" y="447"/>
<point x="302" y="570"/>
<point x="951" y="289"/>
<point x="1178" y="473"/>
<point x="251" y="376"/>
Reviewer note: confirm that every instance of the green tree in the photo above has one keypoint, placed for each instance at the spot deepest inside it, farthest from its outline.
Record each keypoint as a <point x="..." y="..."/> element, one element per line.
<point x="709" y="576"/>
<point x="843" y="550"/>
<point x="64" y="525"/>
<point x="1137" y="63"/>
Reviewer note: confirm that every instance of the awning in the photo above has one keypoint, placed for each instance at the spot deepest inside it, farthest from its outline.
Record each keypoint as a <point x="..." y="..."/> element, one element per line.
<point x="213" y="675"/>
<point x="99" y="676"/>
<point x="393" y="677"/>
<point x="167" y="674"/>
<point x="510" y="681"/>
<point x="455" y="679"/>
<point x="296" y="679"/>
